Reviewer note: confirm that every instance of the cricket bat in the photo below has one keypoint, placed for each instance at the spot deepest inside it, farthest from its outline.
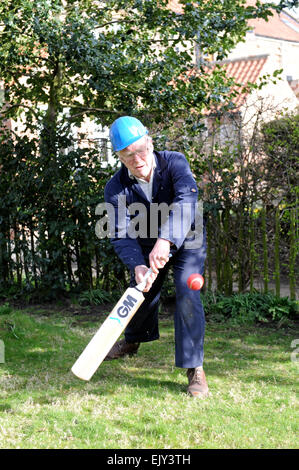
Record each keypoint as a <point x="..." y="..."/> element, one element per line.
<point x="99" y="346"/>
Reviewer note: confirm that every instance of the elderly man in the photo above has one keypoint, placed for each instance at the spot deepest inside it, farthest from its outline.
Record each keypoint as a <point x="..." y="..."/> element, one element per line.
<point x="152" y="178"/>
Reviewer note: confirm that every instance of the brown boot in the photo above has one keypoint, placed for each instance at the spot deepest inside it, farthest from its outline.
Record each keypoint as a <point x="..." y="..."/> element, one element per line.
<point x="121" y="349"/>
<point x="198" y="386"/>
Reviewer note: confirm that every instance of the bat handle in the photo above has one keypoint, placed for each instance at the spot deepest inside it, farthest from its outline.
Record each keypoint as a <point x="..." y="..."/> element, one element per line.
<point x="142" y="284"/>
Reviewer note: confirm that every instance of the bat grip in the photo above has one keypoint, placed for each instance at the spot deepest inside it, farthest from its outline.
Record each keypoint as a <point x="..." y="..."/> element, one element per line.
<point x="142" y="284"/>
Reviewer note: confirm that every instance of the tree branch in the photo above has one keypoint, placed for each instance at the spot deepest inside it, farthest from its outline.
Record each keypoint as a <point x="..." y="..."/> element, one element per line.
<point x="86" y="108"/>
<point x="20" y="105"/>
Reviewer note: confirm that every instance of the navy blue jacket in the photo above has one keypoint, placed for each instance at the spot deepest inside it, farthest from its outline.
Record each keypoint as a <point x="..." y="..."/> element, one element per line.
<point x="173" y="182"/>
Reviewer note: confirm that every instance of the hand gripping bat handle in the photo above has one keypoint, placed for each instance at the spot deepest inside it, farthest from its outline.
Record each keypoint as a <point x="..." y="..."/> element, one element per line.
<point x="142" y="284"/>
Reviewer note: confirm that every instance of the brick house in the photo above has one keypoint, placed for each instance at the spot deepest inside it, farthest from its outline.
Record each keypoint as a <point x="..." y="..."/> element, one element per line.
<point x="268" y="46"/>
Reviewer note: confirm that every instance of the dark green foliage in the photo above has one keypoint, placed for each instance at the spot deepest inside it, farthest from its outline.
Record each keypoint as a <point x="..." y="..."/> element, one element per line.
<point x="5" y="309"/>
<point x="251" y="233"/>
<point x="118" y="57"/>
<point x="250" y="307"/>
<point x="241" y="257"/>
<point x="81" y="60"/>
<point x="97" y="297"/>
<point x="280" y="142"/>
<point x="253" y="257"/>
<point x="209" y="255"/>
<point x="293" y="252"/>
<point x="265" y="251"/>
<point x="276" y="252"/>
<point x="260" y="259"/>
<point x="48" y="217"/>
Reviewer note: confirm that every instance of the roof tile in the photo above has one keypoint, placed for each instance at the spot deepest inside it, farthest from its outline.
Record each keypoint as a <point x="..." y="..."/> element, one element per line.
<point x="244" y="70"/>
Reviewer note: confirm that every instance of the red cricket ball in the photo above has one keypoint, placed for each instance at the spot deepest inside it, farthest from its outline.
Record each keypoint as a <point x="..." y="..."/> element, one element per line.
<point x="195" y="281"/>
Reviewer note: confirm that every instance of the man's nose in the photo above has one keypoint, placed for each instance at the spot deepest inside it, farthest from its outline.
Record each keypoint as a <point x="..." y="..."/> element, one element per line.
<point x="136" y="158"/>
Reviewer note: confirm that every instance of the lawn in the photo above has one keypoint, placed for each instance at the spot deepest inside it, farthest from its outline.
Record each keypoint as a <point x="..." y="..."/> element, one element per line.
<point x="140" y="402"/>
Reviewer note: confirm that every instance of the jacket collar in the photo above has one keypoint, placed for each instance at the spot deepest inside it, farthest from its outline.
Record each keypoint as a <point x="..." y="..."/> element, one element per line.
<point x="132" y="183"/>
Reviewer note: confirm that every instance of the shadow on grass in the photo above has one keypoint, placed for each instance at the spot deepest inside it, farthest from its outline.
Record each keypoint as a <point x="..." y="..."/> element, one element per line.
<point x="246" y="354"/>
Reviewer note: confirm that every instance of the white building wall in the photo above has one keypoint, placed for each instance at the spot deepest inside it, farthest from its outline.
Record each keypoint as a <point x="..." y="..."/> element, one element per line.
<point x="285" y="53"/>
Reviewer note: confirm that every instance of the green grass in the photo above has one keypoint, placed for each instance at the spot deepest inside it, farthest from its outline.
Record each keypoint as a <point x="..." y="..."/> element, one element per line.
<point x="141" y="402"/>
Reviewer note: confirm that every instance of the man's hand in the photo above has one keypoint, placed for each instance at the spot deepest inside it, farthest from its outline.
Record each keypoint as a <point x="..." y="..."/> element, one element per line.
<point x="140" y="272"/>
<point x="159" y="255"/>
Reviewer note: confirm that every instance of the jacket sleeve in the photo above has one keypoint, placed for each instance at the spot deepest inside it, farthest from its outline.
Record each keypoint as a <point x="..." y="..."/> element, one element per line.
<point x="184" y="204"/>
<point x="127" y="249"/>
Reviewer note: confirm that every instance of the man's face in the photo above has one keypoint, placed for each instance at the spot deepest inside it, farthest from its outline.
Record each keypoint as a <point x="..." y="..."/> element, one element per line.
<point x="138" y="157"/>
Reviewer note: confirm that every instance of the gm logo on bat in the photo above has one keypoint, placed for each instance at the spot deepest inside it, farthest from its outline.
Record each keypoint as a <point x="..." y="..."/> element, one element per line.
<point x="124" y="309"/>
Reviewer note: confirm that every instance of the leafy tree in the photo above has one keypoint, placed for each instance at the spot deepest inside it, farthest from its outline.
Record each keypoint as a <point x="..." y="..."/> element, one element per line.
<point x="63" y="60"/>
<point x="280" y="142"/>
<point x="122" y="56"/>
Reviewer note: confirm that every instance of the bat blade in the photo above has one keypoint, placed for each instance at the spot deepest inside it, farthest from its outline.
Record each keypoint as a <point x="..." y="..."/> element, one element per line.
<point x="99" y="346"/>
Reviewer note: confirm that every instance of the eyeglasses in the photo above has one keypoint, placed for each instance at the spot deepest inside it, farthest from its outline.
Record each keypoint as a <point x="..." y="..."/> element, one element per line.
<point x="127" y="157"/>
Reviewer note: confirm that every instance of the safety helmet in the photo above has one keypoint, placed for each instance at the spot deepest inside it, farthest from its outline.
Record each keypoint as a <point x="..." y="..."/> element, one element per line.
<point x="125" y="131"/>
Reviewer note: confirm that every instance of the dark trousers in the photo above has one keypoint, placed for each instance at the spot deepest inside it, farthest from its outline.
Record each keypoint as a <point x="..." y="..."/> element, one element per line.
<point x="189" y="319"/>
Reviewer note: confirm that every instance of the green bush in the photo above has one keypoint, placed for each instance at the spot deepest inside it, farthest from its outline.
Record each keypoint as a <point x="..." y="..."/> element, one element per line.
<point x="250" y="307"/>
<point x="5" y="309"/>
<point x="97" y="297"/>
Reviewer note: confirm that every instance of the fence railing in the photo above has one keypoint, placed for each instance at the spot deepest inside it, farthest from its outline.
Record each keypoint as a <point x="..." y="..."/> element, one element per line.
<point x="247" y="250"/>
<point x="252" y="250"/>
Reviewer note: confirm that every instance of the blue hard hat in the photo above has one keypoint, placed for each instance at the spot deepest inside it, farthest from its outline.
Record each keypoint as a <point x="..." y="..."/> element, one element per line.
<point x="125" y="131"/>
